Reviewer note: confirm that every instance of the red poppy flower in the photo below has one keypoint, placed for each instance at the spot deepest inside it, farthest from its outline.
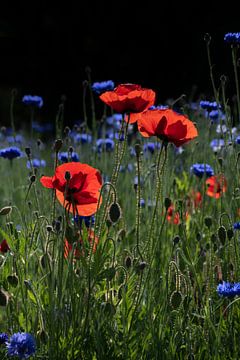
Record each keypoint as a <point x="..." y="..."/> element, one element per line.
<point x="4" y="247"/>
<point x="217" y="185"/>
<point x="173" y="216"/>
<point x="129" y="98"/>
<point x="194" y="200"/>
<point x="167" y="125"/>
<point x="79" y="250"/>
<point x="79" y="194"/>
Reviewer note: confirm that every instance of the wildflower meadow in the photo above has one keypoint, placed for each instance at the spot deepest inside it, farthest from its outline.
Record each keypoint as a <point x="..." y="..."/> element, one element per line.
<point x="120" y="233"/>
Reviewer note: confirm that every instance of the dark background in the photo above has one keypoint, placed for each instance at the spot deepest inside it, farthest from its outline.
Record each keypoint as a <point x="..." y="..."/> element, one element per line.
<point x="45" y="49"/>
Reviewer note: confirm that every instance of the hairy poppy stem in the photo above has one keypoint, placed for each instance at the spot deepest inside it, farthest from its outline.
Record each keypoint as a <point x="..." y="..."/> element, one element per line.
<point x="159" y="172"/>
<point x="138" y="206"/>
<point x="208" y="40"/>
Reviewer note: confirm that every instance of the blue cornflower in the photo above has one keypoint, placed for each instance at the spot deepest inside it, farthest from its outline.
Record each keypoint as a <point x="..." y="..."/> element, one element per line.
<point x="82" y="138"/>
<point x="236" y="288"/>
<point x="142" y="203"/>
<point x="208" y="105"/>
<point x="201" y="169"/>
<point x="150" y="146"/>
<point x="216" y="116"/>
<point x="3" y="338"/>
<point x="105" y="144"/>
<point x="88" y="220"/>
<point x="132" y="151"/>
<point x="128" y="167"/>
<point x="36" y="163"/>
<point x="232" y="38"/>
<point x="63" y="157"/>
<point x="236" y="226"/>
<point x="42" y="128"/>
<point x="22" y="345"/>
<point x="33" y="100"/>
<point x="100" y="87"/>
<point x="111" y="120"/>
<point x="15" y="139"/>
<point x="227" y="289"/>
<point x="10" y="153"/>
<point x="217" y="144"/>
<point x="158" y="107"/>
<point x="237" y="140"/>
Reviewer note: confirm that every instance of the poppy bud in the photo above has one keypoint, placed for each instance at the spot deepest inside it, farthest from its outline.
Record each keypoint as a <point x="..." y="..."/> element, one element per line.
<point x="58" y="145"/>
<point x="63" y="98"/>
<point x="142" y="265"/>
<point x="208" y="221"/>
<point x="28" y="284"/>
<point x="6" y="210"/>
<point x="70" y="149"/>
<point x="85" y="83"/>
<point x="39" y="142"/>
<point x="43" y="336"/>
<point x="176" y="239"/>
<point x="67" y="130"/>
<point x="230" y="234"/>
<point x="128" y="262"/>
<point x="213" y="238"/>
<point x="28" y="151"/>
<point x="32" y="178"/>
<point x="44" y="259"/>
<point x="114" y="212"/>
<point x="167" y="203"/>
<point x="49" y="228"/>
<point x="4" y="297"/>
<point x="223" y="79"/>
<point x="220" y="160"/>
<point x="67" y="175"/>
<point x="13" y="280"/>
<point x="198" y="236"/>
<point x="222" y="234"/>
<point x="207" y="38"/>
<point x="176" y="299"/>
<point x="138" y="149"/>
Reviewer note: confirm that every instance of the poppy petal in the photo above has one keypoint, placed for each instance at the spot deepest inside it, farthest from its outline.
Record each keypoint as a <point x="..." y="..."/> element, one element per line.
<point x="47" y="182"/>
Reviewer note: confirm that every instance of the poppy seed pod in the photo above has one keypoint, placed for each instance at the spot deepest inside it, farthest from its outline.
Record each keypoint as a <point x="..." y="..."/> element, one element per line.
<point x="6" y="210"/>
<point x="28" y="151"/>
<point x="58" y="145"/>
<point x="208" y="221"/>
<point x="13" y="280"/>
<point x="4" y="297"/>
<point x="222" y="234"/>
<point x="114" y="212"/>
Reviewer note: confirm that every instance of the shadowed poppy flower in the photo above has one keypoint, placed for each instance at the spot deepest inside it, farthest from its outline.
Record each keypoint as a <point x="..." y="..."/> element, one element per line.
<point x="173" y="216"/>
<point x="217" y="185"/>
<point x="167" y="125"/>
<point x="4" y="247"/>
<point x="194" y="200"/>
<point x="129" y="98"/>
<point x="80" y="247"/>
<point x="81" y="191"/>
